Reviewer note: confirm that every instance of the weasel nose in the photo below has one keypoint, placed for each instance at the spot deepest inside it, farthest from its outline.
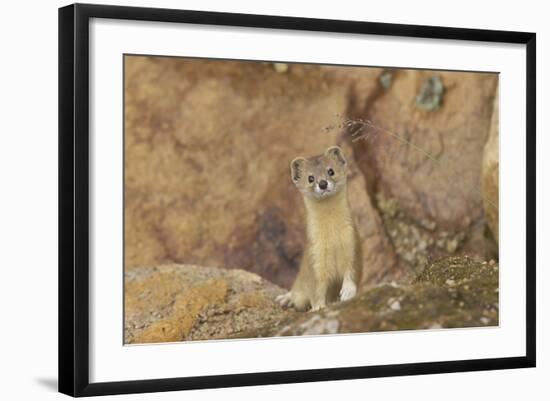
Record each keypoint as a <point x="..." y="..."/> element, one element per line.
<point x="323" y="184"/>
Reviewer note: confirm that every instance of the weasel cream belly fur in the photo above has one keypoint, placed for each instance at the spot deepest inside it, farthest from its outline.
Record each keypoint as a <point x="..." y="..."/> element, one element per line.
<point x="331" y="264"/>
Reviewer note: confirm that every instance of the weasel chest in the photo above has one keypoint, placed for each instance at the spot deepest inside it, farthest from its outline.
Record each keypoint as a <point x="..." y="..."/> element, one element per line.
<point x="332" y="245"/>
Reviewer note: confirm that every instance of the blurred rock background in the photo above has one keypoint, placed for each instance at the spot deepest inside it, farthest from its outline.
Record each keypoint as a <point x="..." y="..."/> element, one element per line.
<point x="208" y="145"/>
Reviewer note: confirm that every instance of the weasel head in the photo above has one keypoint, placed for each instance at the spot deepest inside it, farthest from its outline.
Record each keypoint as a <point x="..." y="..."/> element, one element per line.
<point x="320" y="177"/>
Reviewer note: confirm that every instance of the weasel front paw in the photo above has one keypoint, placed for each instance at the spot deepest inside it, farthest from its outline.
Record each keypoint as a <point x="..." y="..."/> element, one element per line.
<point x="285" y="300"/>
<point x="348" y="291"/>
<point x="316" y="308"/>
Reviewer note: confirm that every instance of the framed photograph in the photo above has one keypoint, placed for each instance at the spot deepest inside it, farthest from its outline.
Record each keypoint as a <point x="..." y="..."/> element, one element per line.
<point x="251" y="199"/>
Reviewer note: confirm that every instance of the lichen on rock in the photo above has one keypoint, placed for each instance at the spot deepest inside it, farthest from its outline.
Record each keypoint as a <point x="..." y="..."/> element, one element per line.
<point x="452" y="292"/>
<point x="386" y="78"/>
<point x="184" y="302"/>
<point x="431" y="93"/>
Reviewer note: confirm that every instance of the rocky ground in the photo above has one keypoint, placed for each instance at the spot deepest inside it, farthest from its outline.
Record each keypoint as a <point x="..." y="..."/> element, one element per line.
<point x="183" y="302"/>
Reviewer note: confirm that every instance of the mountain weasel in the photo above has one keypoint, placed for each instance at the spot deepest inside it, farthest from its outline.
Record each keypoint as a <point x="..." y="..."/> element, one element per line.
<point x="331" y="264"/>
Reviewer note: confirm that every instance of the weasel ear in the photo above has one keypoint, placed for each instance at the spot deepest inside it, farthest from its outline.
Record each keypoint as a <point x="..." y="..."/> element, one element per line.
<point x="297" y="168"/>
<point x="336" y="153"/>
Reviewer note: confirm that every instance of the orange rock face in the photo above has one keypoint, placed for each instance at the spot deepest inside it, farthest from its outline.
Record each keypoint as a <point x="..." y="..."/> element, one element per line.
<point x="420" y="145"/>
<point x="208" y="146"/>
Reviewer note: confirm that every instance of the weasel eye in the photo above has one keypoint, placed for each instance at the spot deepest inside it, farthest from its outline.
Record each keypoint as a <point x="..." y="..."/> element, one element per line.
<point x="311" y="178"/>
<point x="330" y="172"/>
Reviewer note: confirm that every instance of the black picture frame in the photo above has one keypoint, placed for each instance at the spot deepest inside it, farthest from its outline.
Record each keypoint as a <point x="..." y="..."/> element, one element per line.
<point x="74" y="198"/>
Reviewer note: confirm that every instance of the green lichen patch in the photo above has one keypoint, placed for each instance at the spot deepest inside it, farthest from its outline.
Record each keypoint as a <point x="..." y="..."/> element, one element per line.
<point x="431" y="94"/>
<point x="386" y="79"/>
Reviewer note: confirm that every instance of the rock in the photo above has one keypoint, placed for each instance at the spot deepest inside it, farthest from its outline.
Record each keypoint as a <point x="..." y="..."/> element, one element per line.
<point x="184" y="302"/>
<point x="317" y="325"/>
<point x="426" y="303"/>
<point x="422" y="165"/>
<point x="207" y="152"/>
<point x="490" y="173"/>
<point x="395" y="305"/>
<point x="379" y="260"/>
